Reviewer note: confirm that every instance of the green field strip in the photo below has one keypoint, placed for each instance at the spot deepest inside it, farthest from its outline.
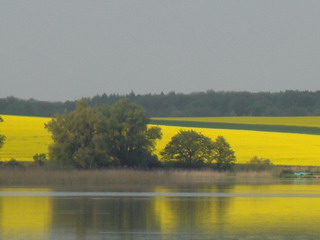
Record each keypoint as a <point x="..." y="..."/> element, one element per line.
<point x="236" y="126"/>
<point x="313" y="121"/>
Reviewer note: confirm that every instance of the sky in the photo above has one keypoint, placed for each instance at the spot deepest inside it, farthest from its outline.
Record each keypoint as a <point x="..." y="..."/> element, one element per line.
<point x="67" y="49"/>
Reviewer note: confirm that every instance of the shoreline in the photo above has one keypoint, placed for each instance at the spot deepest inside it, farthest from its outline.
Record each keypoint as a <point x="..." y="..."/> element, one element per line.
<point x="109" y="177"/>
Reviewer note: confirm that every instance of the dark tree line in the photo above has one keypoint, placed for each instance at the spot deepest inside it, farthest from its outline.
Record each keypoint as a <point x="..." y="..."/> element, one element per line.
<point x="210" y="103"/>
<point x="32" y="107"/>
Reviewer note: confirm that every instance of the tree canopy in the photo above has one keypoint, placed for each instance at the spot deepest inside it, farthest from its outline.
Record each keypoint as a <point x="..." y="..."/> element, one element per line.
<point x="125" y="134"/>
<point x="2" y="137"/>
<point x="74" y="137"/>
<point x="189" y="147"/>
<point x="109" y="135"/>
<point x="223" y="154"/>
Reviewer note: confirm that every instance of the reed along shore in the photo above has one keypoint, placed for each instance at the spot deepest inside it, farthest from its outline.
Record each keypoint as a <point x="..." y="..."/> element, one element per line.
<point x="43" y="177"/>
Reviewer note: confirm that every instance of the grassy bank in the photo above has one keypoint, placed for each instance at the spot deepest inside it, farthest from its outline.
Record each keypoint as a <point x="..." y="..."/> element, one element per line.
<point x="42" y="177"/>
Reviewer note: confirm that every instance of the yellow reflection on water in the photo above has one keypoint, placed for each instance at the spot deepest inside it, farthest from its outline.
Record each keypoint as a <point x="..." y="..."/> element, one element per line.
<point x="179" y="214"/>
<point x="274" y="214"/>
<point x="25" y="217"/>
<point x="265" y="213"/>
<point x="164" y="212"/>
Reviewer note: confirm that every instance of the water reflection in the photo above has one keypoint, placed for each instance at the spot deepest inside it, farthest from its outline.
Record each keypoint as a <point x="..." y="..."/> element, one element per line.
<point x="25" y="216"/>
<point x="159" y="216"/>
<point x="185" y="214"/>
<point x="245" y="217"/>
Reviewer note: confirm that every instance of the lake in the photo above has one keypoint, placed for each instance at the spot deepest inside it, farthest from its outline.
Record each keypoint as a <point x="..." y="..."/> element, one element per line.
<point x="281" y="210"/>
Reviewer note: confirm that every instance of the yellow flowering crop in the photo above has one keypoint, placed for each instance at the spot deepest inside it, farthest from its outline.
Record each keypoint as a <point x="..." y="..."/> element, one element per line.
<point x="25" y="137"/>
<point x="280" y="148"/>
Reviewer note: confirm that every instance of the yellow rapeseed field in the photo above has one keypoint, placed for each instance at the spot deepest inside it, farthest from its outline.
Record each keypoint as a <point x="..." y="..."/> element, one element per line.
<point x="27" y="136"/>
<point x="287" y="121"/>
<point x="280" y="148"/>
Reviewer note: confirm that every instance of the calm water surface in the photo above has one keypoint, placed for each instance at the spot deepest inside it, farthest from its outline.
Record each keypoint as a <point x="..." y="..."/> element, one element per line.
<point x="226" y="211"/>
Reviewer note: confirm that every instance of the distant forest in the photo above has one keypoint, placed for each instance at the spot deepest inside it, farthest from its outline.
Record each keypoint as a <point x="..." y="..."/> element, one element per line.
<point x="199" y="104"/>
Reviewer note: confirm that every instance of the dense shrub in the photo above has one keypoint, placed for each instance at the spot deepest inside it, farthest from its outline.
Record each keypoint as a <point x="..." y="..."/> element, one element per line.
<point x="259" y="164"/>
<point x="13" y="164"/>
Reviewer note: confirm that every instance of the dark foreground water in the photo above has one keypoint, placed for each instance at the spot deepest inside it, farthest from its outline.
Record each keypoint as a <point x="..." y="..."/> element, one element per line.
<point x="226" y="211"/>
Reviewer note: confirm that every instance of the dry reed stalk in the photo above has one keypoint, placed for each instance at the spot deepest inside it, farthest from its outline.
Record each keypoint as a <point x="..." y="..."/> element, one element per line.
<point x="123" y="176"/>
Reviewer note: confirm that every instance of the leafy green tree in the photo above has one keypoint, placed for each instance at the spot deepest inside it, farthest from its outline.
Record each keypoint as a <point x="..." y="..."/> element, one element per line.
<point x="189" y="148"/>
<point x="74" y="136"/>
<point x="96" y="137"/>
<point x="2" y="137"/>
<point x="125" y="134"/>
<point x="223" y="154"/>
<point x="40" y="159"/>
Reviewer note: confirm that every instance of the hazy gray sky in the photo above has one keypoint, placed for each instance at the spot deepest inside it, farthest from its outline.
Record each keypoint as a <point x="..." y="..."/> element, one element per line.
<point x="64" y="50"/>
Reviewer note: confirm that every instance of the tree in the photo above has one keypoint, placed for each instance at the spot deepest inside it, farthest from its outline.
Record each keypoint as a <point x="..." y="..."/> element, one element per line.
<point x="74" y="136"/>
<point x="126" y="136"/>
<point x="40" y="159"/>
<point x="259" y="163"/>
<point x="2" y="137"/>
<point x="13" y="164"/>
<point x="96" y="137"/>
<point x="223" y="154"/>
<point x="189" y="148"/>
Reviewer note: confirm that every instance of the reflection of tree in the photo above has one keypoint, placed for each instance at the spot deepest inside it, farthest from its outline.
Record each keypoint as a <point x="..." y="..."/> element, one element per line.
<point x="222" y="206"/>
<point x="84" y="222"/>
<point x="125" y="214"/>
<point x="111" y="216"/>
<point x="73" y="217"/>
<point x="25" y="217"/>
<point x="120" y="216"/>
<point x="198" y="214"/>
<point x="207" y="217"/>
